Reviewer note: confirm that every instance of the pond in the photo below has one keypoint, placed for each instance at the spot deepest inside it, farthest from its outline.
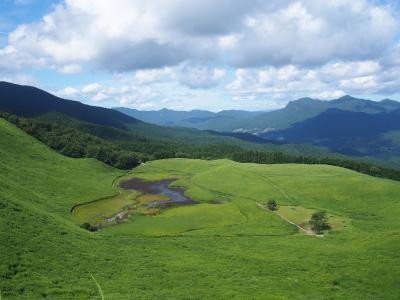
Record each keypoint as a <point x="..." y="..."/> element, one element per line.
<point x="175" y="195"/>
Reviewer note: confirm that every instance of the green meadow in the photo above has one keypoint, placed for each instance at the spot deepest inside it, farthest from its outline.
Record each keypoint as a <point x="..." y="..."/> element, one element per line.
<point x="225" y="247"/>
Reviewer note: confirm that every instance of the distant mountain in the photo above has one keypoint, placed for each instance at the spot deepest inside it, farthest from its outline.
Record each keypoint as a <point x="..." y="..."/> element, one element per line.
<point x="347" y="132"/>
<point x="305" y="108"/>
<point x="28" y="101"/>
<point x="374" y="132"/>
<point x="260" y="121"/>
<point x="335" y="123"/>
<point x="199" y="119"/>
<point x="127" y="132"/>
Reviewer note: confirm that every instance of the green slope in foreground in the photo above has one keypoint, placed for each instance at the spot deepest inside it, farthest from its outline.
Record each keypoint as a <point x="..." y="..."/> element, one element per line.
<point x="233" y="250"/>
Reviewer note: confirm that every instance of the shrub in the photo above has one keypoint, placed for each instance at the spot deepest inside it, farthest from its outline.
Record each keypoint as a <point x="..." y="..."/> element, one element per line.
<point x="89" y="227"/>
<point x="272" y="205"/>
<point x="319" y="222"/>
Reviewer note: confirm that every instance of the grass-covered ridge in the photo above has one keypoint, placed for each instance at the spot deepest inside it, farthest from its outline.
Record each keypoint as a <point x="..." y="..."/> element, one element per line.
<point x="205" y="251"/>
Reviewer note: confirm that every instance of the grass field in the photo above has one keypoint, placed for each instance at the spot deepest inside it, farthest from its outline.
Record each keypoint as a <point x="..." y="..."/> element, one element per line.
<point x="230" y="250"/>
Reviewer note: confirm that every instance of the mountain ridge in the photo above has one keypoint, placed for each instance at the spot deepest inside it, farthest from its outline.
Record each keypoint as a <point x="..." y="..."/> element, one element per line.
<point x="259" y="121"/>
<point x="29" y="101"/>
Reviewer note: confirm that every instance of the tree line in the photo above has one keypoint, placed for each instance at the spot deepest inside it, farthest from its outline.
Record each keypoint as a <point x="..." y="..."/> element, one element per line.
<point x="279" y="157"/>
<point x="127" y="154"/>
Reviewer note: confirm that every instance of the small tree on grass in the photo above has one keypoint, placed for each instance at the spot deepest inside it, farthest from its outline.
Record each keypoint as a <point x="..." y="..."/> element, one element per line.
<point x="272" y="205"/>
<point x="319" y="222"/>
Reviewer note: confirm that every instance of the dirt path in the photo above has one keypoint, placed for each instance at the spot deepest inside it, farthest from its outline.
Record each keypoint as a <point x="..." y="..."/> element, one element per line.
<point x="282" y="191"/>
<point x="306" y="231"/>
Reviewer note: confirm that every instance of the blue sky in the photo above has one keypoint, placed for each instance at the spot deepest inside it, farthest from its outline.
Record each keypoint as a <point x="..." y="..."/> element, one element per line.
<point x="208" y="54"/>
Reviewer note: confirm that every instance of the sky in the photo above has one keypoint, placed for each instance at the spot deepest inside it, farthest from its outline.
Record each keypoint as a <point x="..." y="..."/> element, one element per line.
<point x="209" y="54"/>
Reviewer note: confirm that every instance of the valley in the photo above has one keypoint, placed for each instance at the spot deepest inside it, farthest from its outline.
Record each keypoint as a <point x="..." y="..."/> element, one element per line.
<point x="199" y="150"/>
<point x="229" y="248"/>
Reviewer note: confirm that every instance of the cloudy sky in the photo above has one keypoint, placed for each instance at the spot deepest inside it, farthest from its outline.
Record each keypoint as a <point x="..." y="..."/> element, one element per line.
<point x="208" y="54"/>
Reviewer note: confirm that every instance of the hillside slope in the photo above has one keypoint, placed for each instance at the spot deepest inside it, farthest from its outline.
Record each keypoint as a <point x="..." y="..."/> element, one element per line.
<point x="39" y="176"/>
<point x="215" y="250"/>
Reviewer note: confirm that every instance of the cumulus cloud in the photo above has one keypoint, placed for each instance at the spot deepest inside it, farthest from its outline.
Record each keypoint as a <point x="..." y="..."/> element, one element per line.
<point x="131" y="35"/>
<point x="200" y="77"/>
<point x="20" y="79"/>
<point x="329" y="81"/>
<point x="154" y="75"/>
<point x="91" y="88"/>
<point x="70" y="69"/>
<point x="249" y="50"/>
<point x="99" y="97"/>
<point x="68" y="92"/>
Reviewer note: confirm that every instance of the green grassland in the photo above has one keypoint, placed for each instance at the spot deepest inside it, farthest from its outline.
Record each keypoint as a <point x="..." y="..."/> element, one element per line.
<point x="301" y="216"/>
<point x="230" y="250"/>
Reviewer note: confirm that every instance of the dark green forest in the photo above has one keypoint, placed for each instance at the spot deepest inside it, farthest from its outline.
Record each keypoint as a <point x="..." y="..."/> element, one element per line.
<point x="127" y="154"/>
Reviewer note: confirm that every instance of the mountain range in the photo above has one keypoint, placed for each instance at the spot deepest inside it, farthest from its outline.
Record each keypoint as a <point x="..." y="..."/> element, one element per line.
<point x="199" y="119"/>
<point x="259" y="121"/>
<point x="345" y="126"/>
<point x="79" y="130"/>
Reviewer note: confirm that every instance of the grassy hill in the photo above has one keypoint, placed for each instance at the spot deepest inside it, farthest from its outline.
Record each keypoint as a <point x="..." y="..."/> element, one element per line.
<point x="229" y="248"/>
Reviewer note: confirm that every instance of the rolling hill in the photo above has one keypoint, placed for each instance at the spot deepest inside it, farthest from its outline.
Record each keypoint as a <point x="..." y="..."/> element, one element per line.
<point x="227" y="246"/>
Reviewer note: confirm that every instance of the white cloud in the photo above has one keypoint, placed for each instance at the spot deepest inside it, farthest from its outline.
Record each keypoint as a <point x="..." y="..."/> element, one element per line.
<point x="70" y="69"/>
<point x="329" y="81"/>
<point x="200" y="77"/>
<point x="328" y="95"/>
<point x="67" y="92"/>
<point x="242" y="50"/>
<point x="91" y="88"/>
<point x="131" y="35"/>
<point x="342" y="70"/>
<point x="315" y="32"/>
<point x="24" y="79"/>
<point x="99" y="97"/>
<point x="154" y="75"/>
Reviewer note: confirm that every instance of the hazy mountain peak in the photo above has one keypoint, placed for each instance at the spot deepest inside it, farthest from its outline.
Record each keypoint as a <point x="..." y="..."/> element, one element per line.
<point x="347" y="98"/>
<point x="301" y="101"/>
<point x="387" y="100"/>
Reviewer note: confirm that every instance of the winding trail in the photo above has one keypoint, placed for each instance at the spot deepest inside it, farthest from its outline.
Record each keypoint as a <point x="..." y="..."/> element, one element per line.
<point x="277" y="187"/>
<point x="306" y="231"/>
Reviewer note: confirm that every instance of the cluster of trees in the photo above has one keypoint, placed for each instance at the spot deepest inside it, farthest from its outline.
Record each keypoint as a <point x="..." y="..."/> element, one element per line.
<point x="279" y="157"/>
<point x="73" y="143"/>
<point x="125" y="150"/>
